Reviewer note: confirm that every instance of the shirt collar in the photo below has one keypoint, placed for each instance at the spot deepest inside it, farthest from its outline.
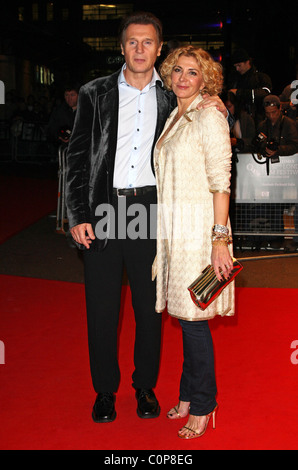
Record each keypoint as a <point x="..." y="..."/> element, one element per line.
<point x="155" y="78"/>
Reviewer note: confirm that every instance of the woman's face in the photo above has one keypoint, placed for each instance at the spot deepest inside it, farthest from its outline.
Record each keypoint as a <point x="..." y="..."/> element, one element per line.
<point x="187" y="78"/>
<point x="230" y="106"/>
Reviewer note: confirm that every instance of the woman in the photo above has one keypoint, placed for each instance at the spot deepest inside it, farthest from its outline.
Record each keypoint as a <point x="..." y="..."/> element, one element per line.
<point x="244" y="129"/>
<point x="192" y="165"/>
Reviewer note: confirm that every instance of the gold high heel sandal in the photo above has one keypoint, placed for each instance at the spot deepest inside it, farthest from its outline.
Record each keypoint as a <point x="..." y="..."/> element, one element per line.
<point x="176" y="408"/>
<point x="195" y="433"/>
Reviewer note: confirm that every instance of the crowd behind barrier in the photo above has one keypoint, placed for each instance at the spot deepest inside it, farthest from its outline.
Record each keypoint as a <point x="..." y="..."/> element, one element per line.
<point x="25" y="142"/>
<point x="23" y="128"/>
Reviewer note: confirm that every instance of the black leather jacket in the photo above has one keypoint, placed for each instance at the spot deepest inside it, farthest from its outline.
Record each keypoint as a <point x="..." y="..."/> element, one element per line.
<point x="92" y="148"/>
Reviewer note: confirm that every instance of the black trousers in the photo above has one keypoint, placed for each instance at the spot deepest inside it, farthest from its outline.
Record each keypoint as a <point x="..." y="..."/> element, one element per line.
<point x="103" y="284"/>
<point x="198" y="384"/>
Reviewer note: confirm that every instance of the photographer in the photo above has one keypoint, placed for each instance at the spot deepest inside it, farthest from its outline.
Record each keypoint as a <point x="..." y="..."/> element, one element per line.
<point x="277" y="137"/>
<point x="249" y="85"/>
<point x="278" y="134"/>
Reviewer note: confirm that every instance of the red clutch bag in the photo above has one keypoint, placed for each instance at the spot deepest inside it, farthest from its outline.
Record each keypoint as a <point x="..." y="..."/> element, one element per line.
<point x="206" y="288"/>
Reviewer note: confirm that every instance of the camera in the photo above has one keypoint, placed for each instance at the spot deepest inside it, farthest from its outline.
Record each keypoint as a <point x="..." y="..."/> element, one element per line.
<point x="64" y="133"/>
<point x="260" y="143"/>
<point x="272" y="145"/>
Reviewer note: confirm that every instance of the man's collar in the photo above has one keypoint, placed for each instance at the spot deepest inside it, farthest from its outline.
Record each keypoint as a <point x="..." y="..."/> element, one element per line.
<point x="155" y="78"/>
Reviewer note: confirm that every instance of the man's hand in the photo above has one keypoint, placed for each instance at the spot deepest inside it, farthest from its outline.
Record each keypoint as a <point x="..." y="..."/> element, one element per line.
<point x="270" y="153"/>
<point x="213" y="101"/>
<point x="83" y="234"/>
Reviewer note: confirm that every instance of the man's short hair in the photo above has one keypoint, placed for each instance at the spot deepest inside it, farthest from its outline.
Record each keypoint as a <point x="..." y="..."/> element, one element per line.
<point x="72" y="87"/>
<point x="141" y="17"/>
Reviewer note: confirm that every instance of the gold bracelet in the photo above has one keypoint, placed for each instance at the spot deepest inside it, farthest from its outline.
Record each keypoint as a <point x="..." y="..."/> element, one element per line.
<point x="221" y="237"/>
<point x="221" y="240"/>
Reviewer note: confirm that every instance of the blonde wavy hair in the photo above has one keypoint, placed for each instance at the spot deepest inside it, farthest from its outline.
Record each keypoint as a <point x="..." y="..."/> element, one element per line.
<point x="211" y="71"/>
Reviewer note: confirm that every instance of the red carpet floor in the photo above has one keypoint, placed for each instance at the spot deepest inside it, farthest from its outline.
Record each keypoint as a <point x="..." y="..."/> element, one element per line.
<point x="46" y="396"/>
<point x="23" y="201"/>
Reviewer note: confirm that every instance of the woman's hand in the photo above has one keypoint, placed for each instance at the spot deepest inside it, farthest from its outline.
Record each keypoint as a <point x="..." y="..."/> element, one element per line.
<point x="221" y="261"/>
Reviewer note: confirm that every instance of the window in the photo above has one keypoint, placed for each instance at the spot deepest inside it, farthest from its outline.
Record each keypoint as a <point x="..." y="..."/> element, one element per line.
<point x="101" y="44"/>
<point x="21" y="13"/>
<point x="65" y="14"/>
<point x="35" y="11"/>
<point x="207" y="44"/>
<point x="50" y="11"/>
<point x="102" y="11"/>
<point x="43" y="75"/>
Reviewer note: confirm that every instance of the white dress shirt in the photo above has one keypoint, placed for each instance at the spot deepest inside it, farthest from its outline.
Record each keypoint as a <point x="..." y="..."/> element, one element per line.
<point x="136" y="130"/>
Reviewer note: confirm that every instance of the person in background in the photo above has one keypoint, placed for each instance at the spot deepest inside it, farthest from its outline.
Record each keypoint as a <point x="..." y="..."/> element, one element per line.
<point x="249" y="85"/>
<point x="279" y="129"/>
<point x="62" y="118"/>
<point x="289" y="108"/>
<point x="243" y="131"/>
<point x="282" y="140"/>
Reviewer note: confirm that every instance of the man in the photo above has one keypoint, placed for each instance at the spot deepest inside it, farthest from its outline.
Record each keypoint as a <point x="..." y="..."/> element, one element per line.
<point x="119" y="119"/>
<point x="280" y="130"/>
<point x="62" y="119"/>
<point x="249" y="85"/>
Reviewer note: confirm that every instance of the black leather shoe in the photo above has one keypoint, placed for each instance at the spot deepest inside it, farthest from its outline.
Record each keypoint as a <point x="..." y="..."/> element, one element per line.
<point x="148" y="406"/>
<point x="104" y="408"/>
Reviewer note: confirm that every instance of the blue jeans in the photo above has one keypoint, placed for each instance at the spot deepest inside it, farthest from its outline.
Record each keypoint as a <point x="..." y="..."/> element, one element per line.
<point x="198" y="384"/>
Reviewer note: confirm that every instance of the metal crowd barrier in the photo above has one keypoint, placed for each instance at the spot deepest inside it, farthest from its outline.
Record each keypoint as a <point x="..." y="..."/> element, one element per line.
<point x="6" y="144"/>
<point x="61" y="217"/>
<point x="264" y="202"/>
<point x="23" y="141"/>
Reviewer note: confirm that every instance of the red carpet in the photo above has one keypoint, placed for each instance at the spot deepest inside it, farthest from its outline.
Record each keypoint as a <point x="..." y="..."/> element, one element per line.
<point x="46" y="396"/>
<point x="23" y="201"/>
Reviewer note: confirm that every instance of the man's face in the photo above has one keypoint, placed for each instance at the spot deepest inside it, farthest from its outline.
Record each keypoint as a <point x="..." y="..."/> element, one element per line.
<point x="242" y="67"/>
<point x="71" y="98"/>
<point x="272" y="113"/>
<point x="141" y="47"/>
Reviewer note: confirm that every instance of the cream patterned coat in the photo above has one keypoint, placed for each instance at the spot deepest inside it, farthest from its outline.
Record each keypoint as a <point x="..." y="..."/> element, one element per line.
<point x="193" y="162"/>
